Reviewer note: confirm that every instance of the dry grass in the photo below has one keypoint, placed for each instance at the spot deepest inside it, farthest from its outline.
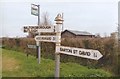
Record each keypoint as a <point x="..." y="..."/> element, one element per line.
<point x="9" y="64"/>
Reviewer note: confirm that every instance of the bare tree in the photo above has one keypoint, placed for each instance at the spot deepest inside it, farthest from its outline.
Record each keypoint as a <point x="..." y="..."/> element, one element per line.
<point x="45" y="19"/>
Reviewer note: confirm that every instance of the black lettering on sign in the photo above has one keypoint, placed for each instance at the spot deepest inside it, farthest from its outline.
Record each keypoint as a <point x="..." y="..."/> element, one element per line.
<point x="46" y="38"/>
<point x="61" y="49"/>
<point x="49" y="38"/>
<point x="44" y="27"/>
<point x="70" y="51"/>
<point x="53" y="38"/>
<point x="66" y="50"/>
<point x="74" y="51"/>
<point x="95" y="55"/>
<point x="38" y="38"/>
<point x="26" y="29"/>
<point x="88" y="53"/>
<point x="79" y="52"/>
<point x="84" y="53"/>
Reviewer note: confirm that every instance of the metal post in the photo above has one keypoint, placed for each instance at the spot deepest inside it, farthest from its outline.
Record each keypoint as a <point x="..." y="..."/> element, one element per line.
<point x="39" y="47"/>
<point x="38" y="14"/>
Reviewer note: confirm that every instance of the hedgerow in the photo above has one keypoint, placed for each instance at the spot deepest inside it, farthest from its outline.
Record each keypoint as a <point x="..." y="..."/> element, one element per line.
<point x="107" y="46"/>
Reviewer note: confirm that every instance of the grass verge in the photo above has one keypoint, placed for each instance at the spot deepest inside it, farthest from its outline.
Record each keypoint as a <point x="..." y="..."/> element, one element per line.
<point x="17" y="64"/>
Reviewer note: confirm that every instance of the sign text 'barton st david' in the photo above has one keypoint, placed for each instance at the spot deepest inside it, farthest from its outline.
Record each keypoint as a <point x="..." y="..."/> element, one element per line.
<point x="80" y="52"/>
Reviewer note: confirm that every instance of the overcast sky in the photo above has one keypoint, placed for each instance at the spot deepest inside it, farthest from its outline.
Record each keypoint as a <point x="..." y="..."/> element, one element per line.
<point x="94" y="16"/>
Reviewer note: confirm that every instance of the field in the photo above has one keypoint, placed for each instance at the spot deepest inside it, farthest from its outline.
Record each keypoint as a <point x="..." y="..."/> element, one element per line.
<point x="17" y="64"/>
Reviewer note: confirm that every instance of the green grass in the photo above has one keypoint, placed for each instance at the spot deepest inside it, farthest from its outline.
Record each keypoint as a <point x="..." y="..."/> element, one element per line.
<point x="0" y="62"/>
<point x="16" y="64"/>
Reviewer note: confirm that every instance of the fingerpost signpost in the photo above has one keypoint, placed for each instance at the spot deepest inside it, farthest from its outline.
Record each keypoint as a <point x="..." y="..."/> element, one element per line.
<point x="80" y="52"/>
<point x="57" y="29"/>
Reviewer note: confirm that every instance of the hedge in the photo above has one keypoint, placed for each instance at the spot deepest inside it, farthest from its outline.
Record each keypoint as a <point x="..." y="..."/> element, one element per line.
<point x="107" y="46"/>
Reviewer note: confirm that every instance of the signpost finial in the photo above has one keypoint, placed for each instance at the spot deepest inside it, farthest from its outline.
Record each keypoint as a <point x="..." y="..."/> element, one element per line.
<point x="59" y="19"/>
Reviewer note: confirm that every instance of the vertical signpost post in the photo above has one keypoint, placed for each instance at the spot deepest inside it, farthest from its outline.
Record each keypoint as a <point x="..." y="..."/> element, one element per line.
<point x="59" y="22"/>
<point x="39" y="47"/>
<point x="35" y="10"/>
